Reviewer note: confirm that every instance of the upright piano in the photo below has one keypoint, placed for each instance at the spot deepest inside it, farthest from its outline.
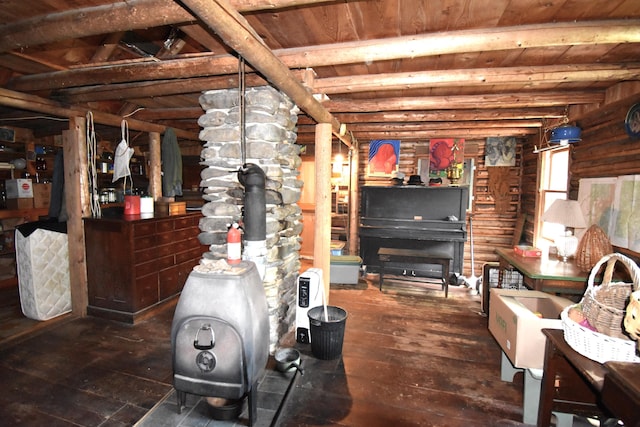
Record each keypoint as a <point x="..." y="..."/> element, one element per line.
<point x="413" y="217"/>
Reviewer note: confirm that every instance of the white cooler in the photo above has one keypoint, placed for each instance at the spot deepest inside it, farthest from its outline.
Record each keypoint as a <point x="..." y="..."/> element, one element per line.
<point x="42" y="261"/>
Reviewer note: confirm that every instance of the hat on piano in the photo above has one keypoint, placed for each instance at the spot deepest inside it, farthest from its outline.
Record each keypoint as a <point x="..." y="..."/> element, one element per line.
<point x="414" y="180"/>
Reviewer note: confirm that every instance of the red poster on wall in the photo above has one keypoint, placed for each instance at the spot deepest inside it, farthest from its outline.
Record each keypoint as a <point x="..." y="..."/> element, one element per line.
<point x="445" y="152"/>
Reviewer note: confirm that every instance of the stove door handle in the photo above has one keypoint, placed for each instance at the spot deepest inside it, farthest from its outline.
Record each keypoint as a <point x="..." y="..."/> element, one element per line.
<point x="196" y="342"/>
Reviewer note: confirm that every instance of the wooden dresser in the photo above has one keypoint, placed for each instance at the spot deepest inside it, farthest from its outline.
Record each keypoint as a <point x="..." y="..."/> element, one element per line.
<point x="135" y="263"/>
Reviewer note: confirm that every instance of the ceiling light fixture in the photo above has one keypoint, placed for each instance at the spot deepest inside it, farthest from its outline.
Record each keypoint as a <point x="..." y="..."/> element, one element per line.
<point x="560" y="135"/>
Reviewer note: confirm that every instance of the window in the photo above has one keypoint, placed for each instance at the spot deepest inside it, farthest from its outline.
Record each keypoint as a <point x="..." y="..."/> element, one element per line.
<point x="554" y="183"/>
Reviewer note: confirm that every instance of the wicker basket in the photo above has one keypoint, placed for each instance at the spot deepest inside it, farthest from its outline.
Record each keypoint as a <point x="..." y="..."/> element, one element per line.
<point x="596" y="346"/>
<point x="592" y="247"/>
<point x="604" y="305"/>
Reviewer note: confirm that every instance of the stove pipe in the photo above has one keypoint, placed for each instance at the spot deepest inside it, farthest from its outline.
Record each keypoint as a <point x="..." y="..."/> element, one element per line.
<point x="253" y="178"/>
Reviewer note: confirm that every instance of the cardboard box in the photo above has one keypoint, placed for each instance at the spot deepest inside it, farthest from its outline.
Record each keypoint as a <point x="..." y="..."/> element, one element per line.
<point x="19" y="204"/>
<point x="515" y="323"/>
<point x="528" y="251"/>
<point x="18" y="188"/>
<point x="170" y="208"/>
<point x="41" y="196"/>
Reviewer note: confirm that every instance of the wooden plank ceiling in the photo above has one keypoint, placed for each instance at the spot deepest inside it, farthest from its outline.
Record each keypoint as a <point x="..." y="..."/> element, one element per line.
<point x="402" y="69"/>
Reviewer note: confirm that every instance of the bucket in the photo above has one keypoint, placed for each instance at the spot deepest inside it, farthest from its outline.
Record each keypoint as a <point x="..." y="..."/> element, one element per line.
<point x="327" y="336"/>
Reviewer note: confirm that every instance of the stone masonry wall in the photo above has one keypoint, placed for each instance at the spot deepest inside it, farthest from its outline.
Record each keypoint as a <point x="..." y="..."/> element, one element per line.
<point x="270" y="123"/>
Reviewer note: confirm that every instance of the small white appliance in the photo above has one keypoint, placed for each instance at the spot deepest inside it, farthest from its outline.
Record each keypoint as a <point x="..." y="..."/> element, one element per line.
<point x="309" y="294"/>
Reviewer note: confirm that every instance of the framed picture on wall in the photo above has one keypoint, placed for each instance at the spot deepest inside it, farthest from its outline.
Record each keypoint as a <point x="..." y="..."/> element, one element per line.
<point x="500" y="151"/>
<point x="384" y="157"/>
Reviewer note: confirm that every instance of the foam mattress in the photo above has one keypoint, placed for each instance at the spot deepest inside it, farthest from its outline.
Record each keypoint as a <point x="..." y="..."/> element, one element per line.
<point x="42" y="260"/>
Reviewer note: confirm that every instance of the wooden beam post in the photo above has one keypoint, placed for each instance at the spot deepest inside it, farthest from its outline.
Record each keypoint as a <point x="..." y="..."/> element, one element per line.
<point x="322" y="231"/>
<point x="76" y="190"/>
<point x="354" y="200"/>
<point x="154" y="167"/>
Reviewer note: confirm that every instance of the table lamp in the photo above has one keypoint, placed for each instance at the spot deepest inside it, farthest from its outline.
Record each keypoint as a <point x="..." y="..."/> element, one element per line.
<point x="569" y="214"/>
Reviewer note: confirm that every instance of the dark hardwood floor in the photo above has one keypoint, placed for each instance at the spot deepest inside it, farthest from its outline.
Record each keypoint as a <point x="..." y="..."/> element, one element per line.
<point x="410" y="358"/>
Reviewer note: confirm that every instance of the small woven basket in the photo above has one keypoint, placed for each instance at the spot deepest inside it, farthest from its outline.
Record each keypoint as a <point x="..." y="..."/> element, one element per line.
<point x="604" y="307"/>
<point x="592" y="247"/>
<point x="604" y="304"/>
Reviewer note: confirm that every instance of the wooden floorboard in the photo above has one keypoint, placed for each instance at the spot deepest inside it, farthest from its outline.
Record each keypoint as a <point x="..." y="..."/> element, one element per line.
<point x="410" y="358"/>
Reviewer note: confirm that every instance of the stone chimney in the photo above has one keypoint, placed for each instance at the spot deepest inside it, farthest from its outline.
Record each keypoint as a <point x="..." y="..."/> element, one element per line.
<point x="270" y="135"/>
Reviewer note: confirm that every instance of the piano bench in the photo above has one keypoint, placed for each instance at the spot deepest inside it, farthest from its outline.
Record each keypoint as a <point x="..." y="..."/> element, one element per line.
<point x="414" y="260"/>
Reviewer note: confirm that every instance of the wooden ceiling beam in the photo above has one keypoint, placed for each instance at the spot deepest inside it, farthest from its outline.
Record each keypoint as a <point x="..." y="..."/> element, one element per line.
<point x="504" y="100"/>
<point x="421" y="45"/>
<point x="528" y="76"/>
<point x="417" y="127"/>
<point x="114" y="17"/>
<point x="307" y="138"/>
<point x="385" y="117"/>
<point x="465" y="41"/>
<point x="183" y="113"/>
<point x="439" y="115"/>
<point x="124" y="91"/>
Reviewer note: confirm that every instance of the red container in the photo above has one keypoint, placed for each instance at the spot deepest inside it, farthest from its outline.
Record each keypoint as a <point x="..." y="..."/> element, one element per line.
<point x="528" y="251"/>
<point x="131" y="205"/>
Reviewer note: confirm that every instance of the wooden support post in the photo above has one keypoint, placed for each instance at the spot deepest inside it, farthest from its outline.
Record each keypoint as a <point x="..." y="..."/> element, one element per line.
<point x="154" y="167"/>
<point x="354" y="200"/>
<point x="322" y="232"/>
<point x="76" y="189"/>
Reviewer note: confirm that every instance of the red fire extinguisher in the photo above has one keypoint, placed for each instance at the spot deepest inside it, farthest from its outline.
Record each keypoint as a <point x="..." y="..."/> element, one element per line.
<point x="234" y="245"/>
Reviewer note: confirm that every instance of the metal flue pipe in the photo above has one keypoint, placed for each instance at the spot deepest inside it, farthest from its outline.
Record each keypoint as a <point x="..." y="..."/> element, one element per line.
<point x="253" y="179"/>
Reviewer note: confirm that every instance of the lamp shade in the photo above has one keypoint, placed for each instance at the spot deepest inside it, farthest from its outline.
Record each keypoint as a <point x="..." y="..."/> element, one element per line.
<point x="565" y="212"/>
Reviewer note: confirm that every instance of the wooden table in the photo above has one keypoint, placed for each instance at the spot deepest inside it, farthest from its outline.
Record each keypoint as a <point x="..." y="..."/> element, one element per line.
<point x="623" y="379"/>
<point x="544" y="274"/>
<point x="576" y="384"/>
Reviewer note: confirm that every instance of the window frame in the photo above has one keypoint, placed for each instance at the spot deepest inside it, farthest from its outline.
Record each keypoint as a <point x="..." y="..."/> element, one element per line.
<point x="551" y="163"/>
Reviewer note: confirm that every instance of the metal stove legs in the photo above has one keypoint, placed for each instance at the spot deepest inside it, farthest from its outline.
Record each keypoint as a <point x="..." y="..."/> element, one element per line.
<point x="253" y="403"/>
<point x="182" y="400"/>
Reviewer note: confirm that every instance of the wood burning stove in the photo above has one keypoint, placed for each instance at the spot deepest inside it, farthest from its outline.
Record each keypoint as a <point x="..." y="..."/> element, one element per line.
<point x="220" y="334"/>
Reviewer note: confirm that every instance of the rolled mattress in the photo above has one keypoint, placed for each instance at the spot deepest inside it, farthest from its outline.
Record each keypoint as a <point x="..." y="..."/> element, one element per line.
<point x="42" y="260"/>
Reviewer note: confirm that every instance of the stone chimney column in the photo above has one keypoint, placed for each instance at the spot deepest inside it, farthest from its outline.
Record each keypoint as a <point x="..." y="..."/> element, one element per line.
<point x="270" y="135"/>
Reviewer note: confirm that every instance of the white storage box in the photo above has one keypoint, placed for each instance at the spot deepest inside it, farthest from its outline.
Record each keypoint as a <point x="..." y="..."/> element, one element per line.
<point x="345" y="269"/>
<point x="19" y="188"/>
<point x="42" y="260"/>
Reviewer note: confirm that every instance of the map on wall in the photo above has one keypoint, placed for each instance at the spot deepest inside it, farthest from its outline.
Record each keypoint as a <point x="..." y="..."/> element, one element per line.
<point x="625" y="227"/>
<point x="611" y="203"/>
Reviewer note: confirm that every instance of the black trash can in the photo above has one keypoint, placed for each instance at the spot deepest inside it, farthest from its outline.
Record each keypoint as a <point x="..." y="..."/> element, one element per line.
<point x="327" y="334"/>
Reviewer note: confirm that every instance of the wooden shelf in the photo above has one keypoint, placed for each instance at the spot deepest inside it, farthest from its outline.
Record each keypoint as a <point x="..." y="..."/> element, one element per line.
<point x="30" y="214"/>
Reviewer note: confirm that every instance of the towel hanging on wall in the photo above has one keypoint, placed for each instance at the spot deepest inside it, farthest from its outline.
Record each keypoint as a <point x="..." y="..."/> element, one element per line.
<point x="123" y="156"/>
<point x="171" y="165"/>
